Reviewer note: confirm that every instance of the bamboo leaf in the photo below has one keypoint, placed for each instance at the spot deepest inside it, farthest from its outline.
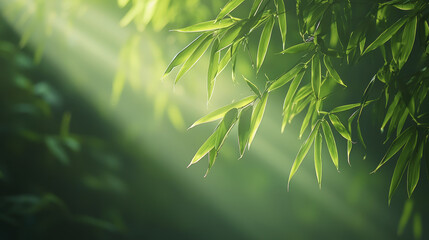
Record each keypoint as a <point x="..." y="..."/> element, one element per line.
<point x="386" y="35"/>
<point x="307" y="118"/>
<point x="225" y="126"/>
<point x="413" y="174"/>
<point x="316" y="76"/>
<point x="350" y="143"/>
<point x="345" y="108"/>
<point x="281" y="14"/>
<point x="405" y="217"/>
<point x="231" y="5"/>
<point x="298" y="48"/>
<point x="220" y="113"/>
<point x="303" y="152"/>
<point x="212" y="159"/>
<point x="332" y="71"/>
<point x="397" y="144"/>
<point x="183" y="55"/>
<point x="287" y="105"/>
<point x="252" y="86"/>
<point x="339" y="127"/>
<point x="207" y="26"/>
<point x="285" y="78"/>
<point x="391" y="110"/>
<point x="402" y="163"/>
<point x="207" y="146"/>
<point x="255" y="7"/>
<point x="318" y="158"/>
<point x="258" y="113"/>
<point x="213" y="68"/>
<point x="330" y="142"/>
<point x="244" y="128"/>
<point x="408" y="36"/>
<point x="264" y="42"/>
<point x="231" y="34"/>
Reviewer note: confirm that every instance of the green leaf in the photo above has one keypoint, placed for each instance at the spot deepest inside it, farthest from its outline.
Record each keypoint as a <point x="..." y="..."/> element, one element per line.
<point x="330" y="142"/>
<point x="183" y="55"/>
<point x="231" y="34"/>
<point x="252" y="86"/>
<point x="298" y="48"/>
<point x="386" y="35"/>
<point x="227" y="58"/>
<point x="316" y="76"/>
<point x="220" y="113"/>
<point x="406" y="6"/>
<point x="417" y="226"/>
<point x="318" y="158"/>
<point x="413" y="174"/>
<point x="350" y="143"/>
<point x="391" y="110"/>
<point x="285" y="78"/>
<point x="264" y="42"/>
<point x="231" y="5"/>
<point x="207" y="146"/>
<point x="212" y="159"/>
<point x="244" y="128"/>
<point x="408" y="36"/>
<point x="195" y="56"/>
<point x="287" y="105"/>
<point x="207" y="26"/>
<point x="281" y="15"/>
<point x="258" y="113"/>
<point x="402" y="163"/>
<point x="332" y="71"/>
<point x="339" y="127"/>
<point x="307" y="118"/>
<point x="345" y="108"/>
<point x="213" y="68"/>
<point x="401" y="122"/>
<point x="397" y="144"/>
<point x="225" y="126"/>
<point x="303" y="152"/>
<point x="255" y="7"/>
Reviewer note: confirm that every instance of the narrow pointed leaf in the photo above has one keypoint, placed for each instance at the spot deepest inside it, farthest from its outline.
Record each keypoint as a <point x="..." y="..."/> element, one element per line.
<point x="350" y="143"/>
<point x="298" y="48"/>
<point x="231" y="34"/>
<point x="225" y="126"/>
<point x="408" y="36"/>
<point x="401" y="122"/>
<point x="220" y="113"/>
<point x="213" y="68"/>
<point x="196" y="55"/>
<point x="264" y="42"/>
<point x="252" y="86"/>
<point x="255" y="7"/>
<point x="339" y="127"/>
<point x="316" y="77"/>
<point x="332" y="71"/>
<point x="204" y="149"/>
<point x="386" y="35"/>
<point x="413" y="174"/>
<point x="305" y="147"/>
<point x="207" y="26"/>
<point x="231" y="5"/>
<point x="281" y="12"/>
<point x="330" y="142"/>
<point x="292" y="90"/>
<point x="397" y="144"/>
<point x="183" y="55"/>
<point x="307" y="118"/>
<point x="391" y="110"/>
<point x="318" y="158"/>
<point x="244" y="128"/>
<point x="345" y="108"/>
<point x="402" y="163"/>
<point x="212" y="159"/>
<point x="285" y="78"/>
<point x="257" y="115"/>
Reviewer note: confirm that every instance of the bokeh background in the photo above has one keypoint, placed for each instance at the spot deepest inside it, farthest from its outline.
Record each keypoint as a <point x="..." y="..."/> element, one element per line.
<point x="94" y="142"/>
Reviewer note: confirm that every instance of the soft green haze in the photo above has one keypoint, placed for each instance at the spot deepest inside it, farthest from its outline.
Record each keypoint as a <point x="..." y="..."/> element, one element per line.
<point x="95" y="145"/>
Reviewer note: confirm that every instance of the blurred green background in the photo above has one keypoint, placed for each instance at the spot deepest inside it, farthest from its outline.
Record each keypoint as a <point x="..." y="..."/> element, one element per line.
<point x="94" y="144"/>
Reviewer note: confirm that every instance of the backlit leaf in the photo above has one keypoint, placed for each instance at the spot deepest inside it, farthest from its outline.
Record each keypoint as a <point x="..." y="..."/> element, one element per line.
<point x="287" y="105"/>
<point x="397" y="144"/>
<point x="339" y="127"/>
<point x="413" y="174"/>
<point x="285" y="78"/>
<point x="305" y="147"/>
<point x="212" y="159"/>
<point x="332" y="71"/>
<point x="244" y="128"/>
<point x="390" y="110"/>
<point x="330" y="142"/>
<point x="213" y="68"/>
<point x="281" y="14"/>
<point x="183" y="55"/>
<point x="408" y="36"/>
<point x="207" y="26"/>
<point x="220" y="113"/>
<point x="386" y="35"/>
<point x="318" y="158"/>
<point x="225" y="126"/>
<point x="298" y="48"/>
<point x="231" y="5"/>
<point x="316" y="76"/>
<point x="207" y="146"/>
<point x="252" y="86"/>
<point x="195" y="56"/>
<point x="307" y="118"/>
<point x="258" y="113"/>
<point x="255" y="7"/>
<point x="264" y="42"/>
